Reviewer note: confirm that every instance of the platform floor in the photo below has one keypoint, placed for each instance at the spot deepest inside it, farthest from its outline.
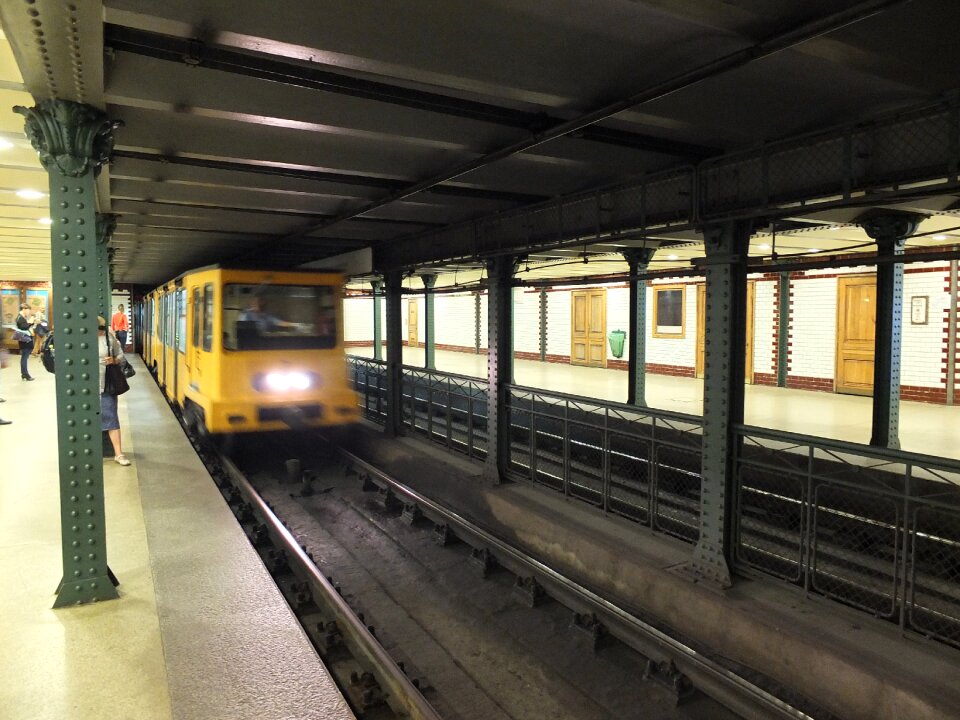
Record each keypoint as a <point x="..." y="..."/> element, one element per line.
<point x="199" y="632"/>
<point x="924" y="427"/>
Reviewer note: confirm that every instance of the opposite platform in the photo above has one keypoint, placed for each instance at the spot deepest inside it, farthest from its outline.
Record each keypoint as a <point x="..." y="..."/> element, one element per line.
<point x="200" y="630"/>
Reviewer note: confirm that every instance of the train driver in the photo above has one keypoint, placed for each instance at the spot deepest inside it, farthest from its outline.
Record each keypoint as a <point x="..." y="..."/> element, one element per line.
<point x="262" y="319"/>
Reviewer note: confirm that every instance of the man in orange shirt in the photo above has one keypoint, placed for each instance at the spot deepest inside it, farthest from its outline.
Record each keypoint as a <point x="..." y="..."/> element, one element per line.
<point x="120" y="325"/>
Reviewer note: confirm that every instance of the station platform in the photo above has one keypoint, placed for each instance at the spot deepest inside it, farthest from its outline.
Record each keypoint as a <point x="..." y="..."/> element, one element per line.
<point x="924" y="427"/>
<point x="200" y="630"/>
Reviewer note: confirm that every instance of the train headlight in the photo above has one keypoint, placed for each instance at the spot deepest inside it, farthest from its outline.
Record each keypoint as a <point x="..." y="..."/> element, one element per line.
<point x="284" y="381"/>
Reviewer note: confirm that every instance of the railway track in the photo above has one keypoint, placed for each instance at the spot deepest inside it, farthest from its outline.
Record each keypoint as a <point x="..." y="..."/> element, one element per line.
<point x="423" y="614"/>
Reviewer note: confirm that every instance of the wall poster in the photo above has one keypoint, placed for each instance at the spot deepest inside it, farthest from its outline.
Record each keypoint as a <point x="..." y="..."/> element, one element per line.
<point x="9" y="305"/>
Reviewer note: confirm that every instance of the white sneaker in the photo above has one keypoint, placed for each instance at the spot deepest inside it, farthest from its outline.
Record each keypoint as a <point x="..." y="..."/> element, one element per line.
<point x="121" y="460"/>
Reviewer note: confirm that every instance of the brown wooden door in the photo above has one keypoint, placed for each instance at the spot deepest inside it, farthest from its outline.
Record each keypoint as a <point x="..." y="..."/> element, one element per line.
<point x="412" y="337"/>
<point x="588" y="326"/>
<point x="856" y="327"/>
<point x="702" y="326"/>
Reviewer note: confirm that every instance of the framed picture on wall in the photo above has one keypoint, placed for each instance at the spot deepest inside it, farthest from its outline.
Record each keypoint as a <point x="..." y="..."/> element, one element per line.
<point x="918" y="309"/>
<point x="9" y="305"/>
<point x="668" y="314"/>
<point x="38" y="301"/>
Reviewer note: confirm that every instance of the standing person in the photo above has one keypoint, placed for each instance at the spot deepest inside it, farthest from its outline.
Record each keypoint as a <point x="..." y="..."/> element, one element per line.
<point x="120" y="326"/>
<point x="25" y="324"/>
<point x="110" y="354"/>
<point x="39" y="331"/>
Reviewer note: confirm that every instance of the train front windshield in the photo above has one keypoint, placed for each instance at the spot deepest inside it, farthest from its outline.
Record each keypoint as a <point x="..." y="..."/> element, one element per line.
<point x="279" y="317"/>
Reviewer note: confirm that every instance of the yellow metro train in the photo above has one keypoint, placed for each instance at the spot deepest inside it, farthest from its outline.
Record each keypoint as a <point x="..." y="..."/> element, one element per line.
<point x="250" y="350"/>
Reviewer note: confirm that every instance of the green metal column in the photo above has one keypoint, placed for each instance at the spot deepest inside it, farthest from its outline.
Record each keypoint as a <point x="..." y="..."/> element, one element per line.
<point x="890" y="229"/>
<point x="543" y="324"/>
<point x="73" y="142"/>
<point x="638" y="260"/>
<point x="377" y="330"/>
<point x="783" y="328"/>
<point x="499" y="365"/>
<point x="725" y="339"/>
<point x="430" y="344"/>
<point x="106" y="224"/>
<point x="394" y="281"/>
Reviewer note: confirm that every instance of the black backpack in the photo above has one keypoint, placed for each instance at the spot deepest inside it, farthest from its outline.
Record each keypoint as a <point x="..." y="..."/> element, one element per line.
<point x="46" y="353"/>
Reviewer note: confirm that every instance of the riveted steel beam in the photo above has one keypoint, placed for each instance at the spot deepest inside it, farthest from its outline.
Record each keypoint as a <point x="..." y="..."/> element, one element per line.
<point x="638" y="259"/>
<point x="106" y="224"/>
<point x="890" y="229"/>
<point x="377" y="329"/>
<point x="783" y="327"/>
<point x="724" y="340"/>
<point x="429" y="321"/>
<point x="394" y="282"/>
<point x="73" y="142"/>
<point x="543" y="324"/>
<point x="499" y="365"/>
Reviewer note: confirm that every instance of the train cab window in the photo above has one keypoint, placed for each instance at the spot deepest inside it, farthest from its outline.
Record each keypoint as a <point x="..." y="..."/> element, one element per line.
<point x="208" y="317"/>
<point x="181" y="320"/>
<point x="196" y="317"/>
<point x="279" y="317"/>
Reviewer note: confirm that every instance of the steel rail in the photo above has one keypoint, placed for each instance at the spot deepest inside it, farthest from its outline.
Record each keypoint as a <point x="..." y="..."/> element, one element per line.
<point x="707" y="674"/>
<point x="361" y="641"/>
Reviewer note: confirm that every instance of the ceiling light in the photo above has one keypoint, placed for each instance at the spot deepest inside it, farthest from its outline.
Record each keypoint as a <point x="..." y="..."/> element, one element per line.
<point x="5" y="144"/>
<point x="672" y="257"/>
<point x="765" y="246"/>
<point x="813" y="250"/>
<point x="45" y="221"/>
<point x="939" y="236"/>
<point x="30" y="194"/>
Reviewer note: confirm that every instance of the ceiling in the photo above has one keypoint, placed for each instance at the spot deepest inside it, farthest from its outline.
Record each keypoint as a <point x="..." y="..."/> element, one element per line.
<point x="284" y="133"/>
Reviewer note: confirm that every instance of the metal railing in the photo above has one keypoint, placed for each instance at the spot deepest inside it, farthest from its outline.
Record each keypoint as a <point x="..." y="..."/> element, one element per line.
<point x="872" y="528"/>
<point x="641" y="463"/>
<point x="369" y="378"/>
<point x="446" y="408"/>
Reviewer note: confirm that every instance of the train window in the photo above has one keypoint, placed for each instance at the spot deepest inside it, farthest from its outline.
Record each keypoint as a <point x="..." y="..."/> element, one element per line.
<point x="279" y="317"/>
<point x="196" y="317"/>
<point x="181" y="320"/>
<point x="208" y="317"/>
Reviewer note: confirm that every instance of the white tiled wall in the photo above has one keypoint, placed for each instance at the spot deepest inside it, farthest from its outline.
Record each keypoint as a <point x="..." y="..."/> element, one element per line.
<point x="358" y="319"/>
<point x="558" y="323"/>
<point x="922" y="345"/>
<point x="455" y="320"/>
<point x="813" y="327"/>
<point x="526" y="320"/>
<point x="764" y="330"/>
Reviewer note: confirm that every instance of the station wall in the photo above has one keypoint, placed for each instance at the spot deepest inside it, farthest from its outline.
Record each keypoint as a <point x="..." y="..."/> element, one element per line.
<point x="811" y="327"/>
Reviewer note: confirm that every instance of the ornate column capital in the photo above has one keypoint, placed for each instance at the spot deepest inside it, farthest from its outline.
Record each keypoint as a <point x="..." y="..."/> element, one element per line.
<point x="106" y="224"/>
<point x="638" y="256"/>
<point x="70" y="137"/>
<point x="889" y="227"/>
<point x="428" y="280"/>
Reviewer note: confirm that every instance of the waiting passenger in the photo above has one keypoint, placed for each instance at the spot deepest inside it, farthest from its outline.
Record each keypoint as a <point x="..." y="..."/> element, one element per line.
<point x="110" y="354"/>
<point x="25" y="325"/>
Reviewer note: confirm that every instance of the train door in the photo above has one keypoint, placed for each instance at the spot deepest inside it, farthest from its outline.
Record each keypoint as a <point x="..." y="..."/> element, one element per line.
<point x="856" y="328"/>
<point x="192" y="359"/>
<point x="179" y="343"/>
<point x="588" y="325"/>
<point x="162" y="345"/>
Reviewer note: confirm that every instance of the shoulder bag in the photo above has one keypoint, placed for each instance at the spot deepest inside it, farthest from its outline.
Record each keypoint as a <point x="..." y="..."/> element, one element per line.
<point x="114" y="383"/>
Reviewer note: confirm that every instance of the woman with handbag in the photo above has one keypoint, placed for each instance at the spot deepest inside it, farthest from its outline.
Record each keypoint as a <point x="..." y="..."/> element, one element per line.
<point x="112" y="385"/>
<point x="24" y="336"/>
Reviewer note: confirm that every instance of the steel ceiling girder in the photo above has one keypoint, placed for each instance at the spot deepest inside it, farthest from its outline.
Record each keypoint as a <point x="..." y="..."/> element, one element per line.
<point x="195" y="52"/>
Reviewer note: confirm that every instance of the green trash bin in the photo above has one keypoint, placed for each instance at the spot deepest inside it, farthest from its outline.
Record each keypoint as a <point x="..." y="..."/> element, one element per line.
<point x="616" y="338"/>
